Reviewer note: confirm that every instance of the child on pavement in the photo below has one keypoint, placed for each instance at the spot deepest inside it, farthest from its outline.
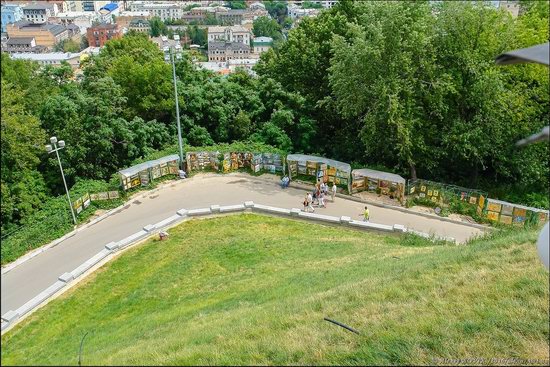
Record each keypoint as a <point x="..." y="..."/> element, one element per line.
<point x="366" y="214"/>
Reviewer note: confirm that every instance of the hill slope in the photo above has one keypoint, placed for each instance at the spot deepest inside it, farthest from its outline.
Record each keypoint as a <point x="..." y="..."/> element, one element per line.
<point x="251" y="289"/>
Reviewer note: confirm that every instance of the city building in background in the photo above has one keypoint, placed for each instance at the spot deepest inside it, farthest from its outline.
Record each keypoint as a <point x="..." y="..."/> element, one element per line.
<point x="99" y="34"/>
<point x="11" y="13"/>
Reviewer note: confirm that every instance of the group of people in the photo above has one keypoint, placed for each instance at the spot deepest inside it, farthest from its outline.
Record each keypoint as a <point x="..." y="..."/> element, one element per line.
<point x="318" y="196"/>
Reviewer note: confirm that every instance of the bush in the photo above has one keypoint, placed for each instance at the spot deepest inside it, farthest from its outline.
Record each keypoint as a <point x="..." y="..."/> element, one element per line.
<point x="54" y="219"/>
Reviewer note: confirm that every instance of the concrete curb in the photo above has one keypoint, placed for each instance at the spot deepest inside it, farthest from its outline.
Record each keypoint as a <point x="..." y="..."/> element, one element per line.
<point x="11" y="318"/>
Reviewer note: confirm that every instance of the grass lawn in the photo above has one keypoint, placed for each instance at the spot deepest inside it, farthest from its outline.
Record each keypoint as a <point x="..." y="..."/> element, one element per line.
<point x="251" y="289"/>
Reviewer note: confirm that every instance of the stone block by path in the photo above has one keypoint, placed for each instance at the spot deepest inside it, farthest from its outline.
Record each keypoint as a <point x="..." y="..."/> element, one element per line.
<point x="167" y="221"/>
<point x="232" y="208"/>
<point x="66" y="277"/>
<point x="197" y="212"/>
<point x="271" y="209"/>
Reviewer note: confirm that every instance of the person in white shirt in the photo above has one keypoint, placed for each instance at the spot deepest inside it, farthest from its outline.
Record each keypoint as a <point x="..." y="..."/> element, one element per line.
<point x="309" y="201"/>
<point x="322" y="200"/>
<point x="333" y="191"/>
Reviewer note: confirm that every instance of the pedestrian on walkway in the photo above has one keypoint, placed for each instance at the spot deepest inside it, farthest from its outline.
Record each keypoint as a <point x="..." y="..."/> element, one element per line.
<point x="309" y="201"/>
<point x="322" y="200"/>
<point x="305" y="203"/>
<point x="333" y="191"/>
<point x="366" y="214"/>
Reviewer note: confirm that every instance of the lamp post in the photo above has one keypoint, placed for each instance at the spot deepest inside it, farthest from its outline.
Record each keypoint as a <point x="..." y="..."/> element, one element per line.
<point x="171" y="52"/>
<point x="56" y="149"/>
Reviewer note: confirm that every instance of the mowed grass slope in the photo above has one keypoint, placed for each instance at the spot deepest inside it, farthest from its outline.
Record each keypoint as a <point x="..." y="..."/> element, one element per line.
<point x="250" y="289"/>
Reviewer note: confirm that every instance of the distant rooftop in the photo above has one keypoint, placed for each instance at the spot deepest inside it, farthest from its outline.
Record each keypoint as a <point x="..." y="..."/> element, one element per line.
<point x="38" y="7"/>
<point x="19" y="40"/>
<point x="138" y="22"/>
<point x="105" y="26"/>
<point x="223" y="45"/>
<point x="55" y="29"/>
<point x="110" y="7"/>
<point x="262" y="40"/>
<point x="49" y="56"/>
<point x="219" y="29"/>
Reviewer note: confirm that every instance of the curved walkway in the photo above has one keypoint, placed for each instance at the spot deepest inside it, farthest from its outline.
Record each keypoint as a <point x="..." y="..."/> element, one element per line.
<point x="33" y="276"/>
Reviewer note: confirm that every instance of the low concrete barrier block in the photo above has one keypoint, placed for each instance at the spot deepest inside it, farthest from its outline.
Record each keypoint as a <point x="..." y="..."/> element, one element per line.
<point x="112" y="246"/>
<point x="399" y="228"/>
<point x="4" y="325"/>
<point x="197" y="212"/>
<point x="128" y="240"/>
<point x="44" y="295"/>
<point x="66" y="277"/>
<point x="182" y="212"/>
<point x="248" y="204"/>
<point x="232" y="208"/>
<point x="10" y="316"/>
<point x="271" y="209"/>
<point x="149" y="228"/>
<point x="167" y="221"/>
<point x="295" y="212"/>
<point x="319" y="217"/>
<point x="215" y="208"/>
<point x="89" y="263"/>
<point x="371" y="226"/>
<point x="345" y="220"/>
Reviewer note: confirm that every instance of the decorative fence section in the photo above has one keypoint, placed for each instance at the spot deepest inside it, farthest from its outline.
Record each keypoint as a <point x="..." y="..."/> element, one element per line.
<point x="107" y="195"/>
<point x="324" y="169"/>
<point x="143" y="173"/>
<point x="382" y="183"/>
<point x="81" y="203"/>
<point x="232" y="161"/>
<point x="508" y="213"/>
<point x="442" y="193"/>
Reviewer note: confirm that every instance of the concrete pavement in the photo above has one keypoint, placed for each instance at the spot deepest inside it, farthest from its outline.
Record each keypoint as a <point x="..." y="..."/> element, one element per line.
<point x="33" y="276"/>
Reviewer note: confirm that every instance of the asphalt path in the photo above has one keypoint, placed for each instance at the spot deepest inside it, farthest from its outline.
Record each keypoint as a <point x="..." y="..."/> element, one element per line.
<point x="33" y="276"/>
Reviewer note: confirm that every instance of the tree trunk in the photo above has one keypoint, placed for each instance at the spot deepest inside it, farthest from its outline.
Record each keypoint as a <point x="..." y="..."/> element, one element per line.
<point x="413" y="171"/>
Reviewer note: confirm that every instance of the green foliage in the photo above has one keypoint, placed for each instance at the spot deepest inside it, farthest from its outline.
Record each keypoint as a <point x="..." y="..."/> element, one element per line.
<point x="198" y="135"/>
<point x="413" y="86"/>
<point x="311" y="5"/>
<point x="67" y="45"/>
<point x="158" y="27"/>
<point x="277" y="9"/>
<point x="267" y="27"/>
<point x="53" y="220"/>
<point x="236" y="4"/>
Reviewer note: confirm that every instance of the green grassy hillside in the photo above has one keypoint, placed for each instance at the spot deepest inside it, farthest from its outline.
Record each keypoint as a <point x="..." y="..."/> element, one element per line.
<point x="250" y="289"/>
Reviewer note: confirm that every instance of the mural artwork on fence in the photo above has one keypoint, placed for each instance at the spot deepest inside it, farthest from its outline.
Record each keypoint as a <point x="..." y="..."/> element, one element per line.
<point x="143" y="173"/>
<point x="232" y="161"/>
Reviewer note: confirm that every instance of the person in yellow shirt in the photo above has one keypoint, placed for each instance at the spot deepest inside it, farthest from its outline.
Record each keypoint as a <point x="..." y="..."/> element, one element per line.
<point x="366" y="214"/>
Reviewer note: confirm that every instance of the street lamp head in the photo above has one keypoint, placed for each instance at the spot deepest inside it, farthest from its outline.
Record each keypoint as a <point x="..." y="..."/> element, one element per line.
<point x="49" y="148"/>
<point x="53" y="140"/>
<point x="62" y="143"/>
